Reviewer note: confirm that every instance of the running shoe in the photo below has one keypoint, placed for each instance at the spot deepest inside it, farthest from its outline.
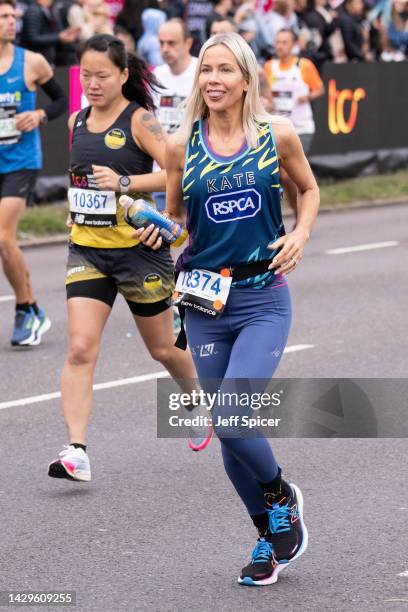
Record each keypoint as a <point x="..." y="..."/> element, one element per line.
<point x="288" y="531"/>
<point x="43" y="327"/>
<point x="72" y="464"/>
<point x="201" y="433"/>
<point x="25" y="326"/>
<point x="263" y="568"/>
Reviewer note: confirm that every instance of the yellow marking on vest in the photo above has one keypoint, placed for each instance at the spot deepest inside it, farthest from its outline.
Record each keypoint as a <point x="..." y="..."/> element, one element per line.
<point x="203" y="159"/>
<point x="209" y="167"/>
<point x="275" y="171"/>
<point x="227" y="169"/>
<point x="263" y="131"/>
<point x="193" y="156"/>
<point x="194" y="137"/>
<point x="263" y="162"/>
<point x="187" y="187"/>
<point x="265" y="142"/>
<point x="188" y="172"/>
<point x="247" y="161"/>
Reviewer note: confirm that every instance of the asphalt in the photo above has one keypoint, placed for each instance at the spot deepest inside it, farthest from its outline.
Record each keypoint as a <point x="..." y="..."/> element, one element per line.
<point x="159" y="527"/>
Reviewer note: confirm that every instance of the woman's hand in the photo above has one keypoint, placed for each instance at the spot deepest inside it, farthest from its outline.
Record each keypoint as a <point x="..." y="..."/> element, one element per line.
<point x="106" y="178"/>
<point x="69" y="223"/>
<point x="291" y="253"/>
<point x="149" y="236"/>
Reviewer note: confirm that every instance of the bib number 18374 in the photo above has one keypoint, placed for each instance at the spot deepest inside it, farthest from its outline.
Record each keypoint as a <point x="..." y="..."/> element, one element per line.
<point x="203" y="290"/>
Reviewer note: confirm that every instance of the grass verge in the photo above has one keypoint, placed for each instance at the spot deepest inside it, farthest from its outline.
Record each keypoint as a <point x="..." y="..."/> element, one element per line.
<point x="43" y="220"/>
<point x="50" y="218"/>
<point x="365" y="188"/>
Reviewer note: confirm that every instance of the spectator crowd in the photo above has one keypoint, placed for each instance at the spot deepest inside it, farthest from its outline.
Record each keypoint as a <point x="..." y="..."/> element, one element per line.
<point x="333" y="30"/>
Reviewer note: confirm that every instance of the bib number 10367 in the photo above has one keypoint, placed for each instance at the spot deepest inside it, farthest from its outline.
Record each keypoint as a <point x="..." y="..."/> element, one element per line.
<point x="87" y="200"/>
<point x="203" y="290"/>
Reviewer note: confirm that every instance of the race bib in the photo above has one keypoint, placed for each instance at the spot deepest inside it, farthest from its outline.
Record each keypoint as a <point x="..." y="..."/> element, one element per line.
<point x="202" y="290"/>
<point x="283" y="102"/>
<point x="89" y="205"/>
<point x="9" y="134"/>
<point x="92" y="208"/>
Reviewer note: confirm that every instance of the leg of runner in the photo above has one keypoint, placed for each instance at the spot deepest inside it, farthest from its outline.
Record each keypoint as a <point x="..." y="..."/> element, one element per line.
<point x="28" y="327"/>
<point x="253" y="339"/>
<point x="158" y="336"/>
<point x="86" y="321"/>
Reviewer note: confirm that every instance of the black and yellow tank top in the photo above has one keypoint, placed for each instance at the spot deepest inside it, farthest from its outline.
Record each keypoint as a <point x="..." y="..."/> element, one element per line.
<point x="97" y="216"/>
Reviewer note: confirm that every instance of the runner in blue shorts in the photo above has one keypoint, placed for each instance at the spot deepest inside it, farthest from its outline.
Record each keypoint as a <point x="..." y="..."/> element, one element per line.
<point x="223" y="176"/>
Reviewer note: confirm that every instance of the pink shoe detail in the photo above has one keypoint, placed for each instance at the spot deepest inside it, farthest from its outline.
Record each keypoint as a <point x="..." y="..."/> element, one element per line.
<point x="205" y="442"/>
<point x="70" y="467"/>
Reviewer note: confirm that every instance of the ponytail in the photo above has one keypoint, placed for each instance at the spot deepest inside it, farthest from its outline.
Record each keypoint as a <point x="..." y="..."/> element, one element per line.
<point x="141" y="82"/>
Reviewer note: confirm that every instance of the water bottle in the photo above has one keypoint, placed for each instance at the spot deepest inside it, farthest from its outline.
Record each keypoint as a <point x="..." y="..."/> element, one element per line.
<point x="140" y="213"/>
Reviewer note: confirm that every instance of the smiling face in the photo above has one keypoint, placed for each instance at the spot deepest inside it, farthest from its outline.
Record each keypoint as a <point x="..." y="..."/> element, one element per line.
<point x="101" y="80"/>
<point x="221" y="81"/>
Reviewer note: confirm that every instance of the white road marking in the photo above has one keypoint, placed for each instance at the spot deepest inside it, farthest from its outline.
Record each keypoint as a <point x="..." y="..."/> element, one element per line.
<point x="298" y="347"/>
<point x="7" y="298"/>
<point x="395" y="599"/>
<point x="121" y="382"/>
<point x="362" y="247"/>
<point x="36" y="399"/>
<point x="403" y="574"/>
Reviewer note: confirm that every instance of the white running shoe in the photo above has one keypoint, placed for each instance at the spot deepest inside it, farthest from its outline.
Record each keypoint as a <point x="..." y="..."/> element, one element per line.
<point x="73" y="464"/>
<point x="44" y="325"/>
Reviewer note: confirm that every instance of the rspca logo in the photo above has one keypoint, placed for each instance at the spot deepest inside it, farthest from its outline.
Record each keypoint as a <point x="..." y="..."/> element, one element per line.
<point x="233" y="206"/>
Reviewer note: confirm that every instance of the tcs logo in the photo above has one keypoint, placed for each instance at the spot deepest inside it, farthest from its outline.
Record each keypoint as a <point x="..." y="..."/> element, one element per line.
<point x="233" y="206"/>
<point x="337" y="99"/>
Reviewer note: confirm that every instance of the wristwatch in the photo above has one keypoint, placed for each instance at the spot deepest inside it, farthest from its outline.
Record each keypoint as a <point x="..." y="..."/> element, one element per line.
<point x="124" y="184"/>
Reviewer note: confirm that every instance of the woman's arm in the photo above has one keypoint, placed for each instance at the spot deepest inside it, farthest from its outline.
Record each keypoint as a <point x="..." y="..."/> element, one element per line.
<point x="151" y="138"/>
<point x="175" y="153"/>
<point x="175" y="209"/>
<point x="297" y="167"/>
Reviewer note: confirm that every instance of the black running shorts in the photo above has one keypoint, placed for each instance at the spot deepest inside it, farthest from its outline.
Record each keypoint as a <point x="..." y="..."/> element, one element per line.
<point x="144" y="277"/>
<point x="17" y="184"/>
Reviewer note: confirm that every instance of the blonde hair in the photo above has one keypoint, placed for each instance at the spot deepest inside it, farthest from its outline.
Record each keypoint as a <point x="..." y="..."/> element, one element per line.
<point x="253" y="111"/>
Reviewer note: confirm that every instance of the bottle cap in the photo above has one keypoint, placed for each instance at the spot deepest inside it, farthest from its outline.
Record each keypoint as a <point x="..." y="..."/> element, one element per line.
<point x="125" y="201"/>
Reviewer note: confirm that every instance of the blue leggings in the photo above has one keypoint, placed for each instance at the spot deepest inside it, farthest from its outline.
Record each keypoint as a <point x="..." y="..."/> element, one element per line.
<point x="246" y="342"/>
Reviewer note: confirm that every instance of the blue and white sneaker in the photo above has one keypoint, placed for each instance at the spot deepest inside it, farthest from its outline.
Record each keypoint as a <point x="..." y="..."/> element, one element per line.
<point x="263" y="568"/>
<point x="288" y="531"/>
<point x="25" y="326"/>
<point x="43" y="327"/>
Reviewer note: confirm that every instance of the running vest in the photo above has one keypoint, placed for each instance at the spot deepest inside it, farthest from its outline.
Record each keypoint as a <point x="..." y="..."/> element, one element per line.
<point x="233" y="205"/>
<point x="98" y="217"/>
<point x="287" y="86"/>
<point x="18" y="151"/>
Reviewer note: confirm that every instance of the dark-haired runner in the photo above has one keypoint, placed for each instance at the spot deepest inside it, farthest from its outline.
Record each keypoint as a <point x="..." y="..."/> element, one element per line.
<point x="114" y="142"/>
